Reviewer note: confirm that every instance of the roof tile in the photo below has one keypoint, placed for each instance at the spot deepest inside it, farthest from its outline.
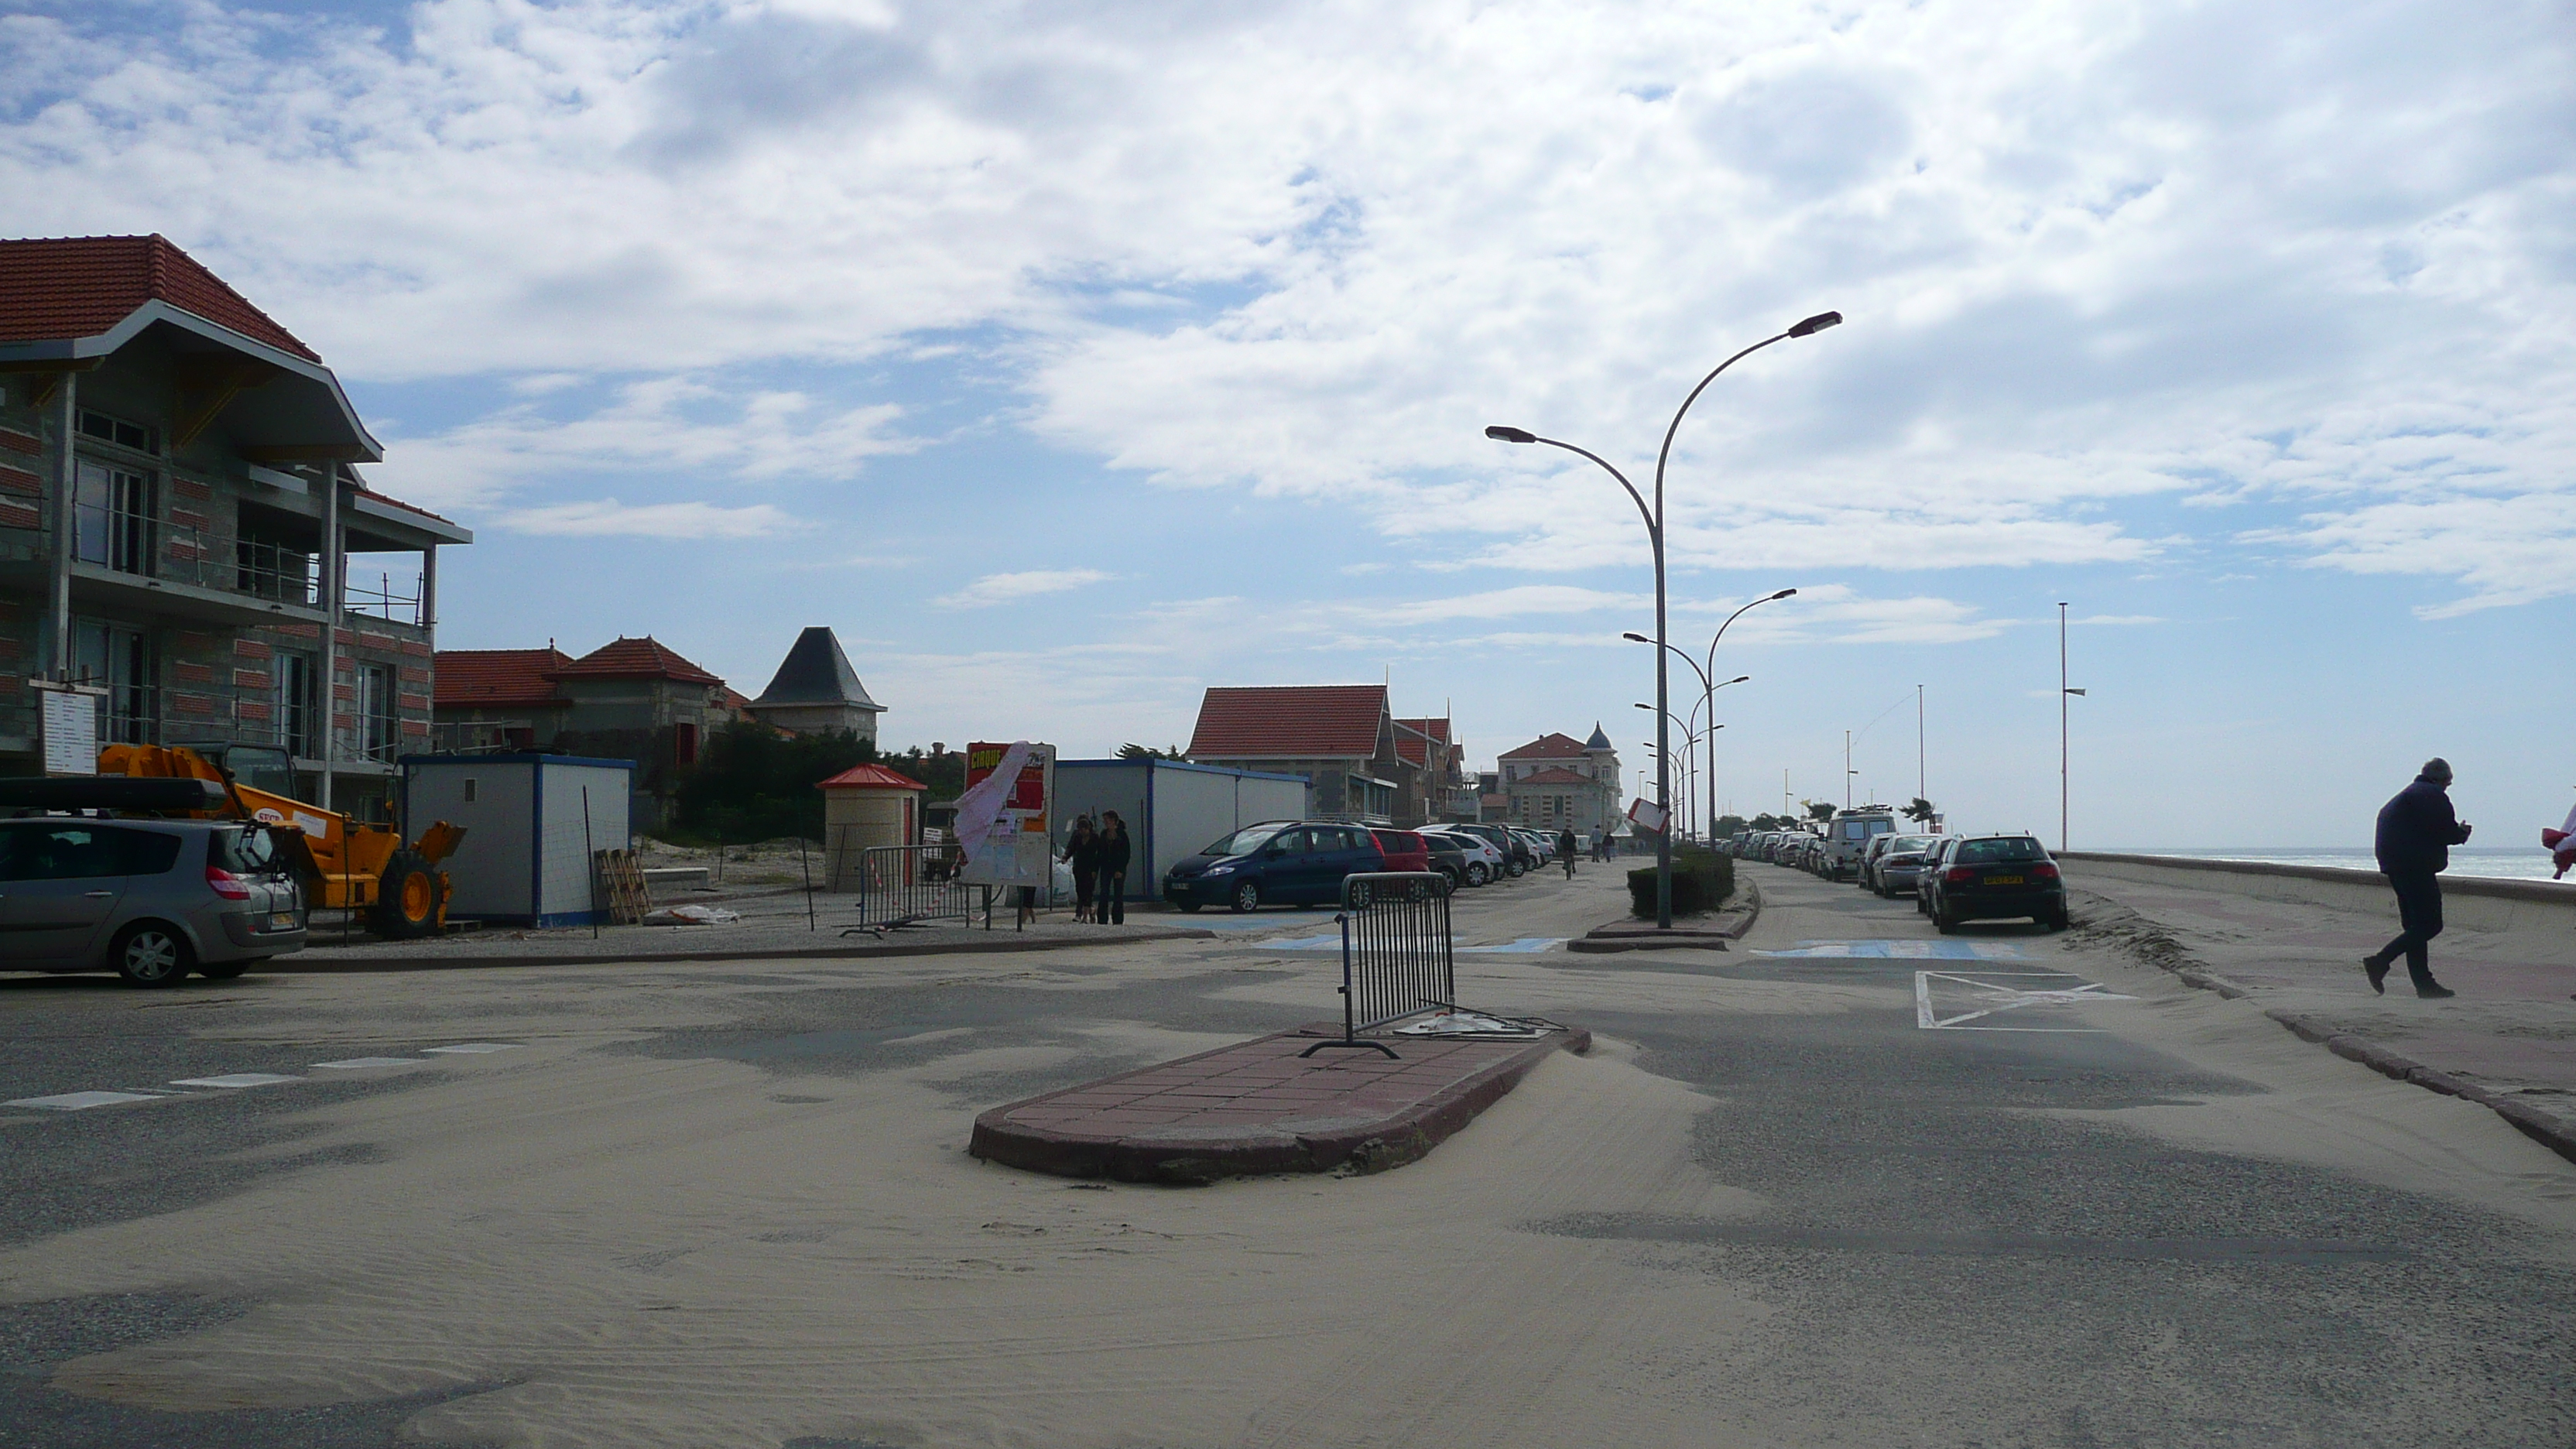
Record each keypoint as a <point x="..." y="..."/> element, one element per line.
<point x="471" y="677"/>
<point x="1289" y="722"/>
<point x="54" y="288"/>
<point x="645" y="658"/>
<point x="1548" y="747"/>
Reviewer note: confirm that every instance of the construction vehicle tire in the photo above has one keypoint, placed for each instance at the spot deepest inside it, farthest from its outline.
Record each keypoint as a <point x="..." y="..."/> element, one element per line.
<point x="406" y="899"/>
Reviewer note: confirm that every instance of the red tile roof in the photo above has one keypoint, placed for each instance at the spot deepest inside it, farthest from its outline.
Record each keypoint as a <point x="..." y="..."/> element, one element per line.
<point x="1290" y="722"/>
<point x="871" y="777"/>
<point x="1438" y="729"/>
<point x="64" y="287"/>
<point x="366" y="492"/>
<point x="1553" y="776"/>
<point x="1411" y="748"/>
<point x="644" y="658"/>
<point x="1548" y="747"/>
<point x="498" y="677"/>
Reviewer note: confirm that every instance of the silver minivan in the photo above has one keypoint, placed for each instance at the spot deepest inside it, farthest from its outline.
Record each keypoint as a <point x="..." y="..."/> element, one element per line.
<point x="150" y="900"/>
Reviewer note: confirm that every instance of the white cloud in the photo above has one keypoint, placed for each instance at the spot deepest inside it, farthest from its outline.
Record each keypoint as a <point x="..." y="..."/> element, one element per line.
<point x="994" y="589"/>
<point x="607" y="517"/>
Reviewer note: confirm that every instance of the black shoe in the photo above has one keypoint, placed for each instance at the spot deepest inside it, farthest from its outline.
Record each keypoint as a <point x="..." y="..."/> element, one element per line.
<point x="2434" y="991"/>
<point x="2377" y="971"/>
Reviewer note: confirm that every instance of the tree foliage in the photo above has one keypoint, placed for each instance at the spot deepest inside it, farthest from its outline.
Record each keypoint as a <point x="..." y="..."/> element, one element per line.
<point x="1920" y="811"/>
<point x="1820" y="809"/>
<point x="1133" y="751"/>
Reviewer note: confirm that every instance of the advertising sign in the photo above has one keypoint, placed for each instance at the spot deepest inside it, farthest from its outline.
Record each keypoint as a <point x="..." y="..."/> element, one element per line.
<point x="70" y="727"/>
<point x="1003" y="824"/>
<point x="1647" y="815"/>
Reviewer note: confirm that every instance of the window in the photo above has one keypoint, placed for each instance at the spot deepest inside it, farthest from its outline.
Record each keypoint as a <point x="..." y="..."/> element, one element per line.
<point x="118" y="431"/>
<point x="83" y="852"/>
<point x="1979" y="852"/>
<point x="112" y="519"/>
<point x="122" y="660"/>
<point x="375" y="712"/>
<point x="294" y="681"/>
<point x="473" y="789"/>
<point x="684" y="743"/>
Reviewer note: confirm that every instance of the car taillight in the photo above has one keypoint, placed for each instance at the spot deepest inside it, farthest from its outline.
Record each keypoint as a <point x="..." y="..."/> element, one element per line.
<point x="2043" y="872"/>
<point x="1958" y="875"/>
<point x="226" y="884"/>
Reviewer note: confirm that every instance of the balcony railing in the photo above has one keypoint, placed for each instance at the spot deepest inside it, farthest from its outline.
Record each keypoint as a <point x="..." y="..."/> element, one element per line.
<point x="144" y="546"/>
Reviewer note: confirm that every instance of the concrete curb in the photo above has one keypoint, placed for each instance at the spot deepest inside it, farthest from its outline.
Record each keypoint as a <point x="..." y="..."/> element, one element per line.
<point x="2536" y="1125"/>
<point x="305" y="963"/>
<point x="1370" y="1146"/>
<point x="1626" y="935"/>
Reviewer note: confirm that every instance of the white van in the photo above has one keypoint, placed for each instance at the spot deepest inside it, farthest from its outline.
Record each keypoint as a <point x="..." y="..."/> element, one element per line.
<point x="1849" y="833"/>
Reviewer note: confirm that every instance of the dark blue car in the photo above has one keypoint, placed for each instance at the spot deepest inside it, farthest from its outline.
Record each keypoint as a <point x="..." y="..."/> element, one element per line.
<point x="1279" y="862"/>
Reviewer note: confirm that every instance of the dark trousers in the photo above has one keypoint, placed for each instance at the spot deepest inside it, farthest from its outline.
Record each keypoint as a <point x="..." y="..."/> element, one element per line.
<point x="1113" y="898"/>
<point x="2419" y="910"/>
<point x="1082" y="880"/>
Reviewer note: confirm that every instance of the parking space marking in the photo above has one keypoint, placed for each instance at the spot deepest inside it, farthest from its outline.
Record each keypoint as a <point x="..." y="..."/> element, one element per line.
<point x="81" y="1101"/>
<point x="1935" y="950"/>
<point x="220" y="1083"/>
<point x="1992" y="997"/>
<point x="1333" y="942"/>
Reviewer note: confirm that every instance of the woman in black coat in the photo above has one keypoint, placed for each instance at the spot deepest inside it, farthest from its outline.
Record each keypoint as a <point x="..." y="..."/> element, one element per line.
<point x="1082" y="852"/>
<point x="1114" y="854"/>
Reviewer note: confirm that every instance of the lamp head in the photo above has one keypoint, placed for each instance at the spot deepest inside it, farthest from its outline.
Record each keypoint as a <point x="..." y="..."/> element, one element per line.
<point x="1740" y="679"/>
<point x="1633" y="637"/>
<point x="1784" y="593"/>
<point x="1501" y="434"/>
<point x="1816" y="324"/>
<point x="1643" y="705"/>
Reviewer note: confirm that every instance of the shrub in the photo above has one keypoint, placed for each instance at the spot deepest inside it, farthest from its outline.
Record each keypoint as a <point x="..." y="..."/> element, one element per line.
<point x="1702" y="881"/>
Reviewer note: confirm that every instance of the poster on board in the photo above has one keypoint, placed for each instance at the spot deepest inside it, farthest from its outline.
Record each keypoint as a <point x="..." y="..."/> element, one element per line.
<point x="69" y="720"/>
<point x="1003" y="818"/>
<point x="1646" y="815"/>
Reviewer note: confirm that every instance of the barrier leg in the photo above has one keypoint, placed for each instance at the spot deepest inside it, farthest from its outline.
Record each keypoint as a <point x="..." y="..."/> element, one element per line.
<point x="1350" y="1033"/>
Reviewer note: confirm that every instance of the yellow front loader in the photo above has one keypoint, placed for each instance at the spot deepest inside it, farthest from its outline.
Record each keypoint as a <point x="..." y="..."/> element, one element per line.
<point x="346" y="864"/>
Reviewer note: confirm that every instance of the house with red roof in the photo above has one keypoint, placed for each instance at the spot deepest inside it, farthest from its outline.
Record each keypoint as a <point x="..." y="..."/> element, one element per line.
<point x="180" y="493"/>
<point x="629" y="699"/>
<point x="1557" y="782"/>
<point x="1359" y="763"/>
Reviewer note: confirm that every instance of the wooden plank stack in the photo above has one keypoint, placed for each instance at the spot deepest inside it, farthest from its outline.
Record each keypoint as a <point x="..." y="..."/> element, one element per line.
<point x="622" y="888"/>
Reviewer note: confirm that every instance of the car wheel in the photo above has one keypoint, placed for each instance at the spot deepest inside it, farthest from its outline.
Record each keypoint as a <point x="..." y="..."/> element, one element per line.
<point x="1192" y="907"/>
<point x="1512" y="868"/>
<point x="1360" y="896"/>
<point x="148" y="953"/>
<point x="1477" y="874"/>
<point x="1944" y="922"/>
<point x="229" y="969"/>
<point x="2059" y="921"/>
<point x="1247" y="897"/>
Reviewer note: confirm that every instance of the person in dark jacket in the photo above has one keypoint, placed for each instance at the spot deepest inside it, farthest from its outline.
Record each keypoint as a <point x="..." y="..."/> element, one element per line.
<point x="1565" y="848"/>
<point x="2416" y="833"/>
<point x="1082" y="852"/>
<point x="1114" y="854"/>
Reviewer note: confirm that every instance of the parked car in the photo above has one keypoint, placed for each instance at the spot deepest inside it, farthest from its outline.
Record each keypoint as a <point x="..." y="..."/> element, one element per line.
<point x="1848" y="834"/>
<point x="151" y="900"/>
<point x="1898" y="863"/>
<point x="1289" y="862"/>
<point x="1448" y="854"/>
<point x="1517" y="856"/>
<point x="1402" y="850"/>
<point x="1991" y="877"/>
<point x="1480" y="861"/>
<point x="1933" y="864"/>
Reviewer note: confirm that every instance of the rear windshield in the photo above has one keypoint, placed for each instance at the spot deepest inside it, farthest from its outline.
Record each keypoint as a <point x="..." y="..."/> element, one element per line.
<point x="1909" y="842"/>
<point x="250" y="850"/>
<point x="1399" y="842"/>
<point x="1980" y="852"/>
<point x="1245" y="841"/>
<point x="1864" y="829"/>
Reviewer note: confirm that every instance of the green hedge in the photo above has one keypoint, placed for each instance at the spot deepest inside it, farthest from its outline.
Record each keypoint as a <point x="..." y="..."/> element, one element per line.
<point x="1702" y="881"/>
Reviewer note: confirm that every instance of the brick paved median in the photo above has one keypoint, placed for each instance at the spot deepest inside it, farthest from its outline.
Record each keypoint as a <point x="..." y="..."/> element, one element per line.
<point x="1258" y="1107"/>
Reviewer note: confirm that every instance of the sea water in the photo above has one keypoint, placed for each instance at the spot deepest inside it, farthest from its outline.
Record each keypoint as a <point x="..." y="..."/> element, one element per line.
<point x="2497" y="861"/>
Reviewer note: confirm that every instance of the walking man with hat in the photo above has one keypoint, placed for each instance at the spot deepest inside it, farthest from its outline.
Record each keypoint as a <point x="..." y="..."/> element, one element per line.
<point x="2416" y="833"/>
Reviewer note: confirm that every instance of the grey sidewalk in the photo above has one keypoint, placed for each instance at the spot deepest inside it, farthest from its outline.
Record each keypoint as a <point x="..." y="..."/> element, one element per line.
<point x="2510" y="1034"/>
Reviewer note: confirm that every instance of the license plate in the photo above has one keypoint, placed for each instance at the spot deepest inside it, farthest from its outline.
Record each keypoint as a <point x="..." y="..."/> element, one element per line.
<point x="281" y="921"/>
<point x="2003" y="880"/>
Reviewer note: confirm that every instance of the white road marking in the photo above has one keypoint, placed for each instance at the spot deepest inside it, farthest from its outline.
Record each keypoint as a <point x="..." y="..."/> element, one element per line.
<point x="2000" y="998"/>
<point x="79" y="1101"/>
<point x="1938" y="950"/>
<point x="357" y="1063"/>
<point x="476" y="1047"/>
<point x="236" y="1079"/>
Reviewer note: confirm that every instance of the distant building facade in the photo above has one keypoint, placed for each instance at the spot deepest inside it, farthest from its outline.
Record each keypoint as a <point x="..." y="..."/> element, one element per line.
<point x="1341" y="737"/>
<point x="815" y="691"/>
<point x="1556" y="782"/>
<point x="629" y="699"/>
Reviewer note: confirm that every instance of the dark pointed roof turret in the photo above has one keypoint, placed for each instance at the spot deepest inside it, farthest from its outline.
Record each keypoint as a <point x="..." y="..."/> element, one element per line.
<point x="1600" y="738"/>
<point x="815" y="671"/>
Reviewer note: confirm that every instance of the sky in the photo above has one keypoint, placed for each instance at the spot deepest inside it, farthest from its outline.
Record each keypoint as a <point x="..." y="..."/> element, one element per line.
<point x="1068" y="358"/>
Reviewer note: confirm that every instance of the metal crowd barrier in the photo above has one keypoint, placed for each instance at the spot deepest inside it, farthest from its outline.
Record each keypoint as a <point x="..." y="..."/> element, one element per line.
<point x="901" y="885"/>
<point x="1398" y="959"/>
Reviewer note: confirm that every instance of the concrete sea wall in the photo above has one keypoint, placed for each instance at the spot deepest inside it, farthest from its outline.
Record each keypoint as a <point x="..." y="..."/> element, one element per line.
<point x="2469" y="901"/>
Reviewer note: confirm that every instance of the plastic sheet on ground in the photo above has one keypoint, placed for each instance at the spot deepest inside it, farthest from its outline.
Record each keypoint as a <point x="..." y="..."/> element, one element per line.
<point x="693" y="916"/>
<point x="1476" y="1024"/>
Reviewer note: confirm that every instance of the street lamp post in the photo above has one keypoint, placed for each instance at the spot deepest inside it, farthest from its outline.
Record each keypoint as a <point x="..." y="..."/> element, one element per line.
<point x="1709" y="690"/>
<point x="1691" y="740"/>
<point x="2064" y="695"/>
<point x="1654" y="518"/>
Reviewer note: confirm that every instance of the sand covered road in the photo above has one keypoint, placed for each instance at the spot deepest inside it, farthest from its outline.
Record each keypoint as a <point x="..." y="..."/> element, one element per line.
<point x="730" y="1206"/>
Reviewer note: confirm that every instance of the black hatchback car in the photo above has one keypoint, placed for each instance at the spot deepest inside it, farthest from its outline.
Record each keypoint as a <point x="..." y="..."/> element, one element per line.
<point x="1995" y="877"/>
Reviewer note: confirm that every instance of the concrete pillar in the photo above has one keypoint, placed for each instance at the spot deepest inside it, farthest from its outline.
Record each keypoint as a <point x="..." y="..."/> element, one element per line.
<point x="429" y="587"/>
<point x="334" y="564"/>
<point x="58" y="591"/>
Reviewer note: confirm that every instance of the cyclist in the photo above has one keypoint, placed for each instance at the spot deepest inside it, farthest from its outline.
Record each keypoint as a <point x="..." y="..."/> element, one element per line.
<point x="1565" y="849"/>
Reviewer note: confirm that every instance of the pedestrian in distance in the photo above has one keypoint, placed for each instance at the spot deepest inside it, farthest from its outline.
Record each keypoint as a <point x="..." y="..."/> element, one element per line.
<point x="1115" y="852"/>
<point x="2416" y="832"/>
<point x="1565" y="849"/>
<point x="1600" y="843"/>
<point x="1082" y="852"/>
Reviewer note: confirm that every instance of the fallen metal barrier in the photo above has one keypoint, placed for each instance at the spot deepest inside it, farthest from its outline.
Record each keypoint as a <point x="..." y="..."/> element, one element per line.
<point x="1397" y="956"/>
<point x="903" y="885"/>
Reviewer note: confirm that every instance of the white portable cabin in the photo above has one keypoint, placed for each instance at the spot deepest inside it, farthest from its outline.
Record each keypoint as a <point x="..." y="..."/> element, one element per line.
<point x="1172" y="808"/>
<point x="531" y="823"/>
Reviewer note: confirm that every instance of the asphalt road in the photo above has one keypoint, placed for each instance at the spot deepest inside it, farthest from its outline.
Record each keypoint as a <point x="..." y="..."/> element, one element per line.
<point x="1978" y="1190"/>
